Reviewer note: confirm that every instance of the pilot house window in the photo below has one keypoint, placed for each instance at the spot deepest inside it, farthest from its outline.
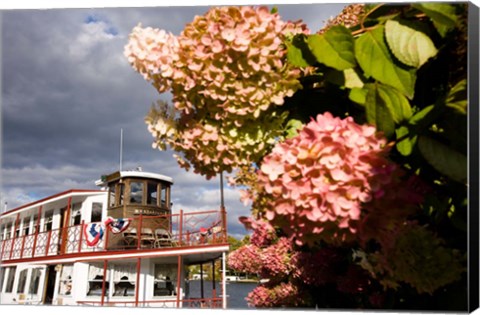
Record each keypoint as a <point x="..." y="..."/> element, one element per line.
<point x="136" y="192"/>
<point x="152" y="195"/>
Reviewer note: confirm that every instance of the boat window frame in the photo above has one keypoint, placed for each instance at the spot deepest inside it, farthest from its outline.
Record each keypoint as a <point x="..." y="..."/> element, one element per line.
<point x="131" y="200"/>
<point x="10" y="279"/>
<point x="100" y="205"/>
<point x="22" y="281"/>
<point x="98" y="280"/>
<point x="3" y="273"/>
<point x="129" y="283"/>
<point x="48" y="220"/>
<point x="66" y="280"/>
<point x="170" y="271"/>
<point x="34" y="282"/>
<point x="25" y="230"/>
<point x="76" y="214"/>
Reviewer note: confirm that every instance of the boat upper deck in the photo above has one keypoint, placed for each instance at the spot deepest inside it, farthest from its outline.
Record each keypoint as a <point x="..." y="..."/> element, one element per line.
<point x="76" y="225"/>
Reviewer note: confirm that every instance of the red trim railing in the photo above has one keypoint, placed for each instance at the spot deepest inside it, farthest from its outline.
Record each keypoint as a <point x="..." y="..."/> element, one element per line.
<point x="167" y="231"/>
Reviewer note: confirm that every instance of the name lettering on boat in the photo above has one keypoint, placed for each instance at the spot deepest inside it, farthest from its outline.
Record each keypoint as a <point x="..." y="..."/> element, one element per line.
<point x="147" y="212"/>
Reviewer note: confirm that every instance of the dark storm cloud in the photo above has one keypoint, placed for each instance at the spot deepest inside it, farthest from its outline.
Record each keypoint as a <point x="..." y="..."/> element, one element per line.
<point x="67" y="90"/>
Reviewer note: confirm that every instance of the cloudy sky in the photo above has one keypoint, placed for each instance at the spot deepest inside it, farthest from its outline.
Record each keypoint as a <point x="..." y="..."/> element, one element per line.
<point x="67" y="91"/>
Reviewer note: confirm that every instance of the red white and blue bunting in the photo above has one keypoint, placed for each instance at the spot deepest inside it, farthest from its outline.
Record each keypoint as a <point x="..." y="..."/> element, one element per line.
<point x="117" y="225"/>
<point x="94" y="232"/>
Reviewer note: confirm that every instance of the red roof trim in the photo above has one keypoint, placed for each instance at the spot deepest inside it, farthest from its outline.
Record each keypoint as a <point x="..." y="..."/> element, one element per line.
<point x="65" y="193"/>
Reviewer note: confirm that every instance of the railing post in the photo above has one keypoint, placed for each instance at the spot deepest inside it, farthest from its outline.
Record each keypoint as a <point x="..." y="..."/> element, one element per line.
<point x="37" y="229"/>
<point x="137" y="282"/>
<point x="14" y="236"/>
<point x="66" y="222"/>
<point x="214" y="290"/>
<point x="179" y="267"/>
<point x="105" y="265"/>
<point x="180" y="228"/>
<point x="47" y="249"/>
<point x="82" y="227"/>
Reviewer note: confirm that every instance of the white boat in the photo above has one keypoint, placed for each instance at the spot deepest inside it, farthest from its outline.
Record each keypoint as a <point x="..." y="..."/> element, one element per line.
<point x="117" y="246"/>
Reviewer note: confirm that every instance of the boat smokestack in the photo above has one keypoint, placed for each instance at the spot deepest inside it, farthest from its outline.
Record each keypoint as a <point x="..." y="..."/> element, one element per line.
<point x="5" y="207"/>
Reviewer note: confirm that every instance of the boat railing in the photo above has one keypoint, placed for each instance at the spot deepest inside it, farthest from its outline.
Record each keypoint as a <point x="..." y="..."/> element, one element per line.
<point x="214" y="302"/>
<point x="142" y="233"/>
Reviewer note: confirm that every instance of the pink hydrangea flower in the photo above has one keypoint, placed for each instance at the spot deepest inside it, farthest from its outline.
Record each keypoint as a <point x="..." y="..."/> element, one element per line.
<point x="227" y="73"/>
<point x="319" y="181"/>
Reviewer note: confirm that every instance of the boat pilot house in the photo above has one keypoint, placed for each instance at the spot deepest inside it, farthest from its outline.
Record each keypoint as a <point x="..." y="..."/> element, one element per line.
<point x="122" y="245"/>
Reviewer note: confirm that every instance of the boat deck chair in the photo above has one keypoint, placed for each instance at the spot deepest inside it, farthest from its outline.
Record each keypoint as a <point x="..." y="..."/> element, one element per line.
<point x="130" y="237"/>
<point x="163" y="238"/>
<point x="147" y="237"/>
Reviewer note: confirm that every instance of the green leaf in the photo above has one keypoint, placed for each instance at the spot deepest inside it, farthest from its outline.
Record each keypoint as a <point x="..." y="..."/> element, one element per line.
<point x="409" y="46"/>
<point x="396" y="103"/>
<point x="442" y="14"/>
<point x="352" y="79"/>
<point x="444" y="159"/>
<point x="457" y="97"/>
<point x="358" y="95"/>
<point x="377" y="111"/>
<point x="292" y="128"/>
<point x="375" y="60"/>
<point x="334" y="48"/>
<point x="420" y="115"/>
<point x="406" y="144"/>
<point x="295" y="55"/>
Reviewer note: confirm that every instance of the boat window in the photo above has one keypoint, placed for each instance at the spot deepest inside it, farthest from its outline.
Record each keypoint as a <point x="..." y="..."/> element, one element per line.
<point x="111" y="195"/>
<point x="152" y="194"/>
<point x="165" y="280"/>
<point x="34" y="281"/>
<point x="48" y="221"/>
<point x="124" y="277"/>
<point x="35" y="221"/>
<point x="22" y="280"/>
<point x="2" y="277"/>
<point x="17" y="229"/>
<point x="2" y="236"/>
<point x="95" y="280"/>
<point x="8" y="231"/>
<point x="136" y="192"/>
<point x="66" y="280"/>
<point x="25" y="227"/>
<point x="96" y="212"/>
<point x="76" y="217"/>
<point x="163" y="196"/>
<point x="121" y="191"/>
<point x="10" y="278"/>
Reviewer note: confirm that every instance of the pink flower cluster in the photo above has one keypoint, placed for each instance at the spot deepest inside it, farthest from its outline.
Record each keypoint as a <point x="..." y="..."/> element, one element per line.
<point x="245" y="259"/>
<point x="320" y="179"/>
<point x="263" y="232"/>
<point x="153" y="53"/>
<point x="283" y="294"/>
<point x="275" y="260"/>
<point x="225" y="71"/>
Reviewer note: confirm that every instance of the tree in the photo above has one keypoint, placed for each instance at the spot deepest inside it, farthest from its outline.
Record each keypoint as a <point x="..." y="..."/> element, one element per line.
<point x="351" y="143"/>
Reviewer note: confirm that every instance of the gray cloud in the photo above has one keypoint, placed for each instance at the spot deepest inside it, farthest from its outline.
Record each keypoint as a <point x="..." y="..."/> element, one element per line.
<point x="67" y="90"/>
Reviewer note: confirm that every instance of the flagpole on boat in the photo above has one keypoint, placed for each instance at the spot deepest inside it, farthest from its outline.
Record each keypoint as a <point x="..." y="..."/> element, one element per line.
<point x="121" y="148"/>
